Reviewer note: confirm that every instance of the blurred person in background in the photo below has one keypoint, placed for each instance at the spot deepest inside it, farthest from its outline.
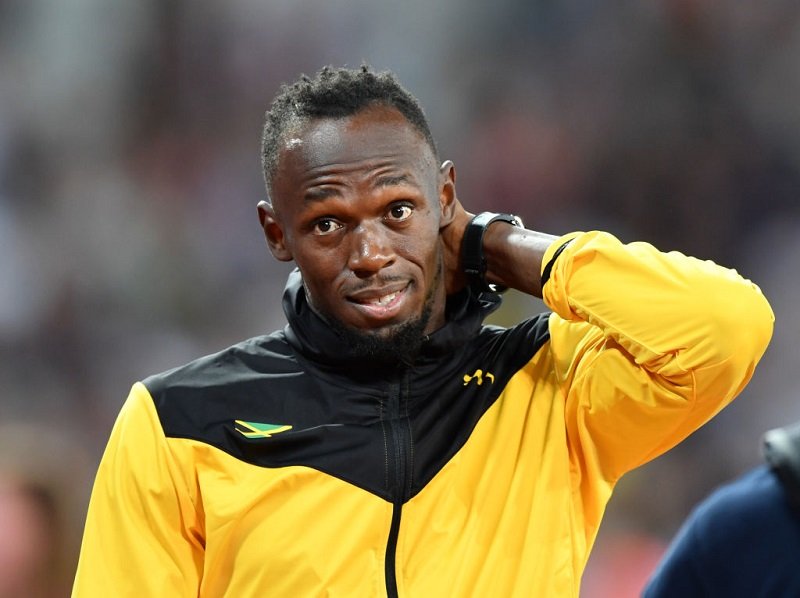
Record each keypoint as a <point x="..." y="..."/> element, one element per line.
<point x="386" y="442"/>
<point x="743" y="541"/>
<point x="43" y="477"/>
<point x="27" y="550"/>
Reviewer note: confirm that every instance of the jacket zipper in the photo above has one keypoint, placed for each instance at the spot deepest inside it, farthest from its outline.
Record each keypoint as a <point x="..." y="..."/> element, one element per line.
<point x="399" y="464"/>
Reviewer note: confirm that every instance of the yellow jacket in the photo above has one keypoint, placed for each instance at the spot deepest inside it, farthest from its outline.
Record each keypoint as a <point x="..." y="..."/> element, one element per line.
<point x="280" y="467"/>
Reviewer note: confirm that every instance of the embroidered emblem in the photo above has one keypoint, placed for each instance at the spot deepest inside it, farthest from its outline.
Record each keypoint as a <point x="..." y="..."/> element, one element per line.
<point x="259" y="430"/>
<point x="479" y="377"/>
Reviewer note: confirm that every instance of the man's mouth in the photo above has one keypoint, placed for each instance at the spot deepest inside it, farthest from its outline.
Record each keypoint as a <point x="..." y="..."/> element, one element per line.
<point x="383" y="301"/>
<point x="380" y="304"/>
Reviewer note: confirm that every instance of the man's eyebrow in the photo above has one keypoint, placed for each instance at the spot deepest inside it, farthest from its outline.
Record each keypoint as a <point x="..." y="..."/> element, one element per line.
<point x="389" y="180"/>
<point x="321" y="193"/>
<point x="392" y="180"/>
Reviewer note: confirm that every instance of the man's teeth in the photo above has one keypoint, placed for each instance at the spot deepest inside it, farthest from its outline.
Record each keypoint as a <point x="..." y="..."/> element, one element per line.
<point x="385" y="300"/>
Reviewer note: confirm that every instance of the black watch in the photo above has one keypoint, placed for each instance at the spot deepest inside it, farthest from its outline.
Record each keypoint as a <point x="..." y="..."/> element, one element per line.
<point x="472" y="260"/>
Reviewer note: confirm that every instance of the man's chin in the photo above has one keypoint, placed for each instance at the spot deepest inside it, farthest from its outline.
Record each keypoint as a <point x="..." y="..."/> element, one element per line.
<point x="387" y="344"/>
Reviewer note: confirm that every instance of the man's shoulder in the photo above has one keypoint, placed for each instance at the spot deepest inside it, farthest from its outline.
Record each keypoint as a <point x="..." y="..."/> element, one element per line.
<point x="532" y="330"/>
<point x="754" y="492"/>
<point x="248" y="380"/>
<point x="740" y="510"/>
<point x="256" y="358"/>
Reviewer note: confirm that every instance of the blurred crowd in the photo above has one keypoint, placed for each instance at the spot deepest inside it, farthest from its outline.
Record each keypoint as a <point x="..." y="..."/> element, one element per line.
<point x="129" y="177"/>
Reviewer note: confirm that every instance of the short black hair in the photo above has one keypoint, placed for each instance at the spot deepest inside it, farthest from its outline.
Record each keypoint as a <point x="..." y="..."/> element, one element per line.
<point x="335" y="93"/>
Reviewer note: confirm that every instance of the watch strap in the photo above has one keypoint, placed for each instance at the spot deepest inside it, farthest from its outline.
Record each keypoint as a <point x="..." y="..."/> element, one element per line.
<point x="473" y="261"/>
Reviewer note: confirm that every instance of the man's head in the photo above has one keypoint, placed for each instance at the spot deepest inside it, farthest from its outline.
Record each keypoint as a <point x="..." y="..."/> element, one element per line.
<point x="334" y="93"/>
<point x="357" y="201"/>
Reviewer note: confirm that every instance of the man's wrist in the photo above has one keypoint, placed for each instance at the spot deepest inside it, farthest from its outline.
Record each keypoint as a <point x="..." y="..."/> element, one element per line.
<point x="473" y="258"/>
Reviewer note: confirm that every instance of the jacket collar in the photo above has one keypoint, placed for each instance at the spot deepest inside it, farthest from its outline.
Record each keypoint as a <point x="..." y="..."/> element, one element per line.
<point x="312" y="337"/>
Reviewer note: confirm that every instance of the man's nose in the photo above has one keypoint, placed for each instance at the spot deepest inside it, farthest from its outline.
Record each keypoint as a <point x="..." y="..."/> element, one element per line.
<point x="371" y="250"/>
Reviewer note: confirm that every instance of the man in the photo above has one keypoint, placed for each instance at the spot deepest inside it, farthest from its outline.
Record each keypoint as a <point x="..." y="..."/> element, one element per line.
<point x="744" y="539"/>
<point x="385" y="443"/>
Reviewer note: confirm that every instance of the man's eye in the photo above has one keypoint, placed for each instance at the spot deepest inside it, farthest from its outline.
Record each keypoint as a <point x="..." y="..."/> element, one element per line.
<point x="400" y="212"/>
<point x="326" y="226"/>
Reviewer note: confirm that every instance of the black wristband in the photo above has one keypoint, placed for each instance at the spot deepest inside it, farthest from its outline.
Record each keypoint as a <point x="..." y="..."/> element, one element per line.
<point x="473" y="261"/>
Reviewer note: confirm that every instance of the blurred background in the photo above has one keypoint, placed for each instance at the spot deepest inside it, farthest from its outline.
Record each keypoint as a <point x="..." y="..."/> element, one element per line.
<point x="129" y="178"/>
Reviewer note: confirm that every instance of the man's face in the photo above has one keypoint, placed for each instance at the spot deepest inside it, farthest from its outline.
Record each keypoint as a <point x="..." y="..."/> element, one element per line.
<point x="358" y="204"/>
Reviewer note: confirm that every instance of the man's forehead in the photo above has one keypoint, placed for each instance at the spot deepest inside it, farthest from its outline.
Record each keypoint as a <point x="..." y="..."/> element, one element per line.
<point x="376" y="130"/>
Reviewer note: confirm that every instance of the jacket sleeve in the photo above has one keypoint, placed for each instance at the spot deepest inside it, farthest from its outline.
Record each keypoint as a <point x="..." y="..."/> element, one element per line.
<point x="648" y="346"/>
<point x="143" y="533"/>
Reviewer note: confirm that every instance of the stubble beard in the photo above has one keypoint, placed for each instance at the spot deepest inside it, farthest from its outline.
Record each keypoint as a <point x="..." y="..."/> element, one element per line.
<point x="398" y="344"/>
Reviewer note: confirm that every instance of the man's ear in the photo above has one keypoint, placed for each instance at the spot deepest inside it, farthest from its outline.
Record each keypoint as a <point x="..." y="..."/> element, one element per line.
<point x="447" y="193"/>
<point x="276" y="241"/>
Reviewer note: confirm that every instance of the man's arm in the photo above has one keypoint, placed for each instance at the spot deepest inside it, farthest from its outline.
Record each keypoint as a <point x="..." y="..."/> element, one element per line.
<point x="647" y="345"/>
<point x="143" y="533"/>
<point x="515" y="257"/>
